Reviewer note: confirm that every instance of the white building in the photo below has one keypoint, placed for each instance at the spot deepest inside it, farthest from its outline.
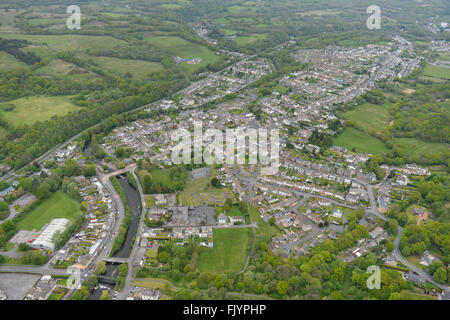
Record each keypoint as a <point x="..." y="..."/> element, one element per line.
<point x="44" y="241"/>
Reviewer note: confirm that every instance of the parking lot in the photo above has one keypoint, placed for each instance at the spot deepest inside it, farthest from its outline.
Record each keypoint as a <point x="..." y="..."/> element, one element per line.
<point x="16" y="285"/>
<point x="23" y="236"/>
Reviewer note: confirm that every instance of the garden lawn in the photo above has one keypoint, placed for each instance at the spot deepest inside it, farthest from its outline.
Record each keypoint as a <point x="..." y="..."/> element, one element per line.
<point x="59" y="205"/>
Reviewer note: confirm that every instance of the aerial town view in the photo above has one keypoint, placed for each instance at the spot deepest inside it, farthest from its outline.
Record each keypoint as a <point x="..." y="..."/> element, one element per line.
<point x="224" y="150"/>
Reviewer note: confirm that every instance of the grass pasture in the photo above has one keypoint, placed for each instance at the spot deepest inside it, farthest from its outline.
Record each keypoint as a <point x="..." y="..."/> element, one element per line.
<point x="246" y="40"/>
<point x="362" y="142"/>
<point x="229" y="251"/>
<point x="415" y="147"/>
<point x="38" y="108"/>
<point x="139" y="69"/>
<point x="369" y="117"/>
<point x="8" y="62"/>
<point x="63" y="43"/>
<point x="58" y="68"/>
<point x="59" y="205"/>
<point x="185" y="49"/>
<point x="435" y="74"/>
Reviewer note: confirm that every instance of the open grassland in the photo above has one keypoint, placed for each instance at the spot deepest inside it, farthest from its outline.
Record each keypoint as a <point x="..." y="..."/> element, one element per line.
<point x="245" y="40"/>
<point x="7" y="20"/>
<point x="435" y="74"/>
<point x="38" y="108"/>
<point x="62" y="43"/>
<point x="229" y="252"/>
<point x="137" y="68"/>
<point x="369" y="117"/>
<point x="328" y="12"/>
<point x="59" y="205"/>
<point x="184" y="49"/>
<point x="415" y="147"/>
<point x="58" y="68"/>
<point x="362" y="142"/>
<point x="8" y="62"/>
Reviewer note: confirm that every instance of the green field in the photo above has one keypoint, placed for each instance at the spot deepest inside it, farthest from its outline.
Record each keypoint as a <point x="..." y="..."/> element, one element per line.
<point x="161" y="176"/>
<point x="234" y="212"/>
<point x="137" y="68"/>
<point x="59" y="205"/>
<point x="229" y="252"/>
<point x="38" y="108"/>
<point x="237" y="9"/>
<point x="352" y="138"/>
<point x="184" y="49"/>
<point x="57" y="69"/>
<point x="7" y="19"/>
<point x="7" y="62"/>
<point x="415" y="147"/>
<point x="71" y="43"/>
<point x="245" y="40"/>
<point x="435" y="74"/>
<point x="369" y="117"/>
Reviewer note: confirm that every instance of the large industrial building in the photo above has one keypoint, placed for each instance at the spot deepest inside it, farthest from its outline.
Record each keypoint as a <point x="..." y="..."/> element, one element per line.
<point x="44" y="241"/>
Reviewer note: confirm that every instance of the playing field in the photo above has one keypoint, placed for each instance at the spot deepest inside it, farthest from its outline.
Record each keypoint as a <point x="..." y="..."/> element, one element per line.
<point x="59" y="205"/>
<point x="352" y="138"/>
<point x="229" y="252"/>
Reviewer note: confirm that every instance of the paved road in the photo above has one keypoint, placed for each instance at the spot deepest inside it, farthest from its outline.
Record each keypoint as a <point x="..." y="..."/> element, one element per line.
<point x="33" y="270"/>
<point x="423" y="274"/>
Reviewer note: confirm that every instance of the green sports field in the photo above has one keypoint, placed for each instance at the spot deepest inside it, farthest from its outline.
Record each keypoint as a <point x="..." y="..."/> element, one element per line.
<point x="59" y="205"/>
<point x="229" y="253"/>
